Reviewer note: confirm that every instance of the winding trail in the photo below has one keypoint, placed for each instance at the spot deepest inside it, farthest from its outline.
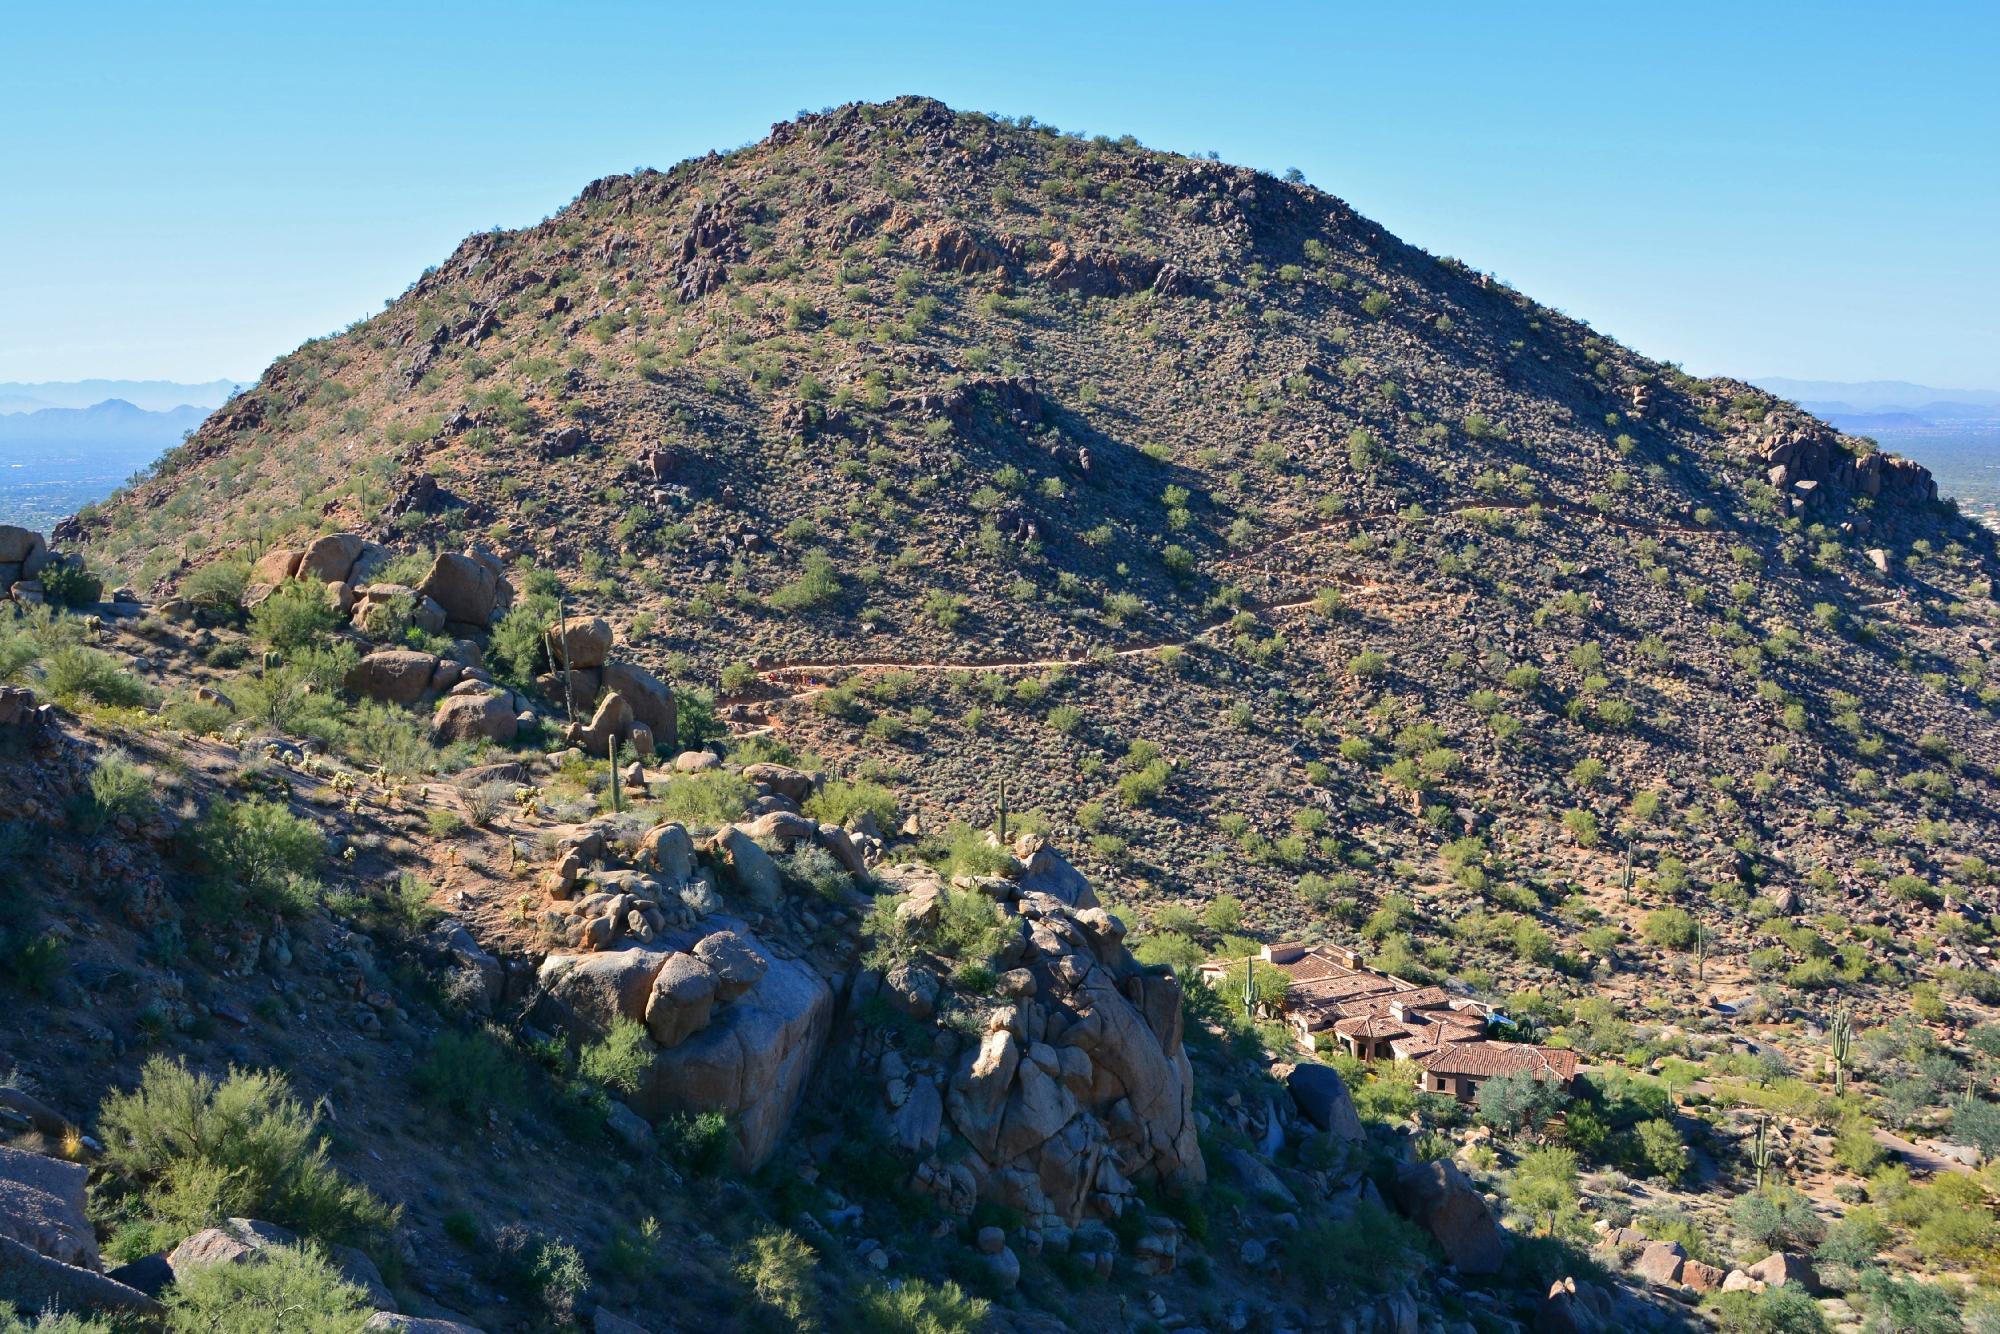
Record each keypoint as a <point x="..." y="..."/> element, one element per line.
<point x="812" y="675"/>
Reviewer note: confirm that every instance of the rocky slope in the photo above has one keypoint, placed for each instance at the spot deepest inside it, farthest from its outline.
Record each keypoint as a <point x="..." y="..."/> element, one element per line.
<point x="1284" y="573"/>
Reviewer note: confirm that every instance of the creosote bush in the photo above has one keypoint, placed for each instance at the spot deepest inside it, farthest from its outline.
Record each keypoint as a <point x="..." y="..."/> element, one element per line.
<point x="199" y="1150"/>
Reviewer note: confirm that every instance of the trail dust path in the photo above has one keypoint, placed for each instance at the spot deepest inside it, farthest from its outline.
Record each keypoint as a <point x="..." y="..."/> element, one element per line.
<point x="808" y="677"/>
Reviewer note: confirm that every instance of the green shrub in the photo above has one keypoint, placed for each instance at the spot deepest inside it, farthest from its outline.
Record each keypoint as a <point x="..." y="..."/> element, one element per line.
<point x="815" y="868"/>
<point x="817" y="585"/>
<point x="1371" y="1250"/>
<point x="66" y="584"/>
<point x="714" y="797"/>
<point x="294" y="616"/>
<point x="619" y="1060"/>
<point x="218" y="586"/>
<point x="118" y="789"/>
<point x="288" y="1288"/>
<point x="1781" y="1310"/>
<point x="72" y="674"/>
<point x="913" y="1306"/>
<point x="969" y="927"/>
<point x="258" y="852"/>
<point x="243" y="1147"/>
<point x="1670" y="928"/>
<point x="518" y="646"/>
<point x="33" y="963"/>
<point x="778" y="1268"/>
<point x="698" y="1144"/>
<point x="839" y="801"/>
<point x="468" y="1074"/>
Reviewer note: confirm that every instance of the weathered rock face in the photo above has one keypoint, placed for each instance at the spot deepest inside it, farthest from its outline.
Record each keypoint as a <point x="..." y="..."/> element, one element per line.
<point x="651" y="699"/>
<point x="470" y="717"/>
<point x="1437" y="1197"/>
<point x="1076" y="1091"/>
<point x="466" y="587"/>
<point x="398" y="675"/>
<point x="581" y="643"/>
<point x="751" y="1060"/>
<point x="1323" y="1099"/>
<point x="735" y="1028"/>
<point x="42" y="1206"/>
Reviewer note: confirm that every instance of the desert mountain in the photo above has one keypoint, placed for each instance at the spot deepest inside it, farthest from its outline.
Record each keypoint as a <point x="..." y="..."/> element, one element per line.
<point x="915" y="495"/>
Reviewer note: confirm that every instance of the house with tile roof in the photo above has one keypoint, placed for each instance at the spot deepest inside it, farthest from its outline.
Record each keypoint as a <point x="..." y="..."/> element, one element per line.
<point x="1334" y="1000"/>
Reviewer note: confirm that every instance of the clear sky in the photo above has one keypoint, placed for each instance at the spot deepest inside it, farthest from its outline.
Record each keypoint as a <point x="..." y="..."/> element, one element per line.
<point x="1764" y="189"/>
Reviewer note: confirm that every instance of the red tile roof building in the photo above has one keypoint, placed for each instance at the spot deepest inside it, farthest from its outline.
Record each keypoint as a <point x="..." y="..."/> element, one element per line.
<point x="1373" y="1016"/>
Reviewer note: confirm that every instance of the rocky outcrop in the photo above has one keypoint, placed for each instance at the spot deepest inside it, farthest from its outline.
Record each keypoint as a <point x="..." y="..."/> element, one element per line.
<point x="42" y="1206"/>
<point x="650" y="699"/>
<point x="1437" y="1197"/>
<point x="733" y="1027"/>
<point x="1072" y="1094"/>
<point x="469" y="587"/>
<point x="1322" y="1098"/>
<point x="476" y="715"/>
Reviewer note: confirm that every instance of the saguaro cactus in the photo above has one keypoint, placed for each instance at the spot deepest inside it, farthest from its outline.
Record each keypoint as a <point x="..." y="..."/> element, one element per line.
<point x="1840" y="1042"/>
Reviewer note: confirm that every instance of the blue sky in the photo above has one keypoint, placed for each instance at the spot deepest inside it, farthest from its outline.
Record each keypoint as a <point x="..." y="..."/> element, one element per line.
<point x="1804" y="190"/>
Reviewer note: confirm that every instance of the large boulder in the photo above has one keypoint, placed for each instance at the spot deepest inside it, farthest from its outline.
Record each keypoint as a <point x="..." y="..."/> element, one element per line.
<point x="398" y="675"/>
<point x="1439" y="1199"/>
<point x="19" y="546"/>
<point x="237" y="1241"/>
<point x="667" y="849"/>
<point x="789" y="783"/>
<point x="388" y="1322"/>
<point x="580" y="643"/>
<point x="1049" y="872"/>
<point x="466" y="588"/>
<point x="42" y="1206"/>
<point x="32" y="1281"/>
<point x="330" y="559"/>
<point x="1323" y="1099"/>
<point x="751" y="870"/>
<point x="652" y="700"/>
<point x="752" y="1059"/>
<point x="276" y="565"/>
<point x="472" y="717"/>
<point x="1779" y="1269"/>
<point x="681" y="1001"/>
<point x="589" y="991"/>
<point x="1661" y="1263"/>
<point x="608" y="726"/>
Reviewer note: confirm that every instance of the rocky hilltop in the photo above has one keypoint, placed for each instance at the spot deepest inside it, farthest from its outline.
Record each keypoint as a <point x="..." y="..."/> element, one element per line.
<point x="622" y="704"/>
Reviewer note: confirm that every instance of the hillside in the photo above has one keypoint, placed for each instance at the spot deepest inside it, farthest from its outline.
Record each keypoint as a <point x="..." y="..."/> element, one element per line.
<point x="1302" y="584"/>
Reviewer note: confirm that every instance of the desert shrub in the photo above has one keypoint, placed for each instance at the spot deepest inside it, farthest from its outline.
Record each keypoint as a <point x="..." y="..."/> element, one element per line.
<point x="778" y="1268"/>
<point x="1780" y="1310"/>
<point x="118" y="789"/>
<point x="294" y="616"/>
<point x="258" y="852"/>
<point x="698" y="1144"/>
<point x="468" y="1074"/>
<point x="288" y="1288"/>
<point x="1669" y="928"/>
<point x="198" y="717"/>
<point x="70" y="584"/>
<point x="1171" y="949"/>
<point x="33" y="963"/>
<point x="1518" y="1102"/>
<point x="816" y="585"/>
<point x="617" y="1061"/>
<point x="518" y="646"/>
<point x="52" y="1322"/>
<point x="1371" y="1250"/>
<point x="969" y="926"/>
<point x="243" y="1147"/>
<point x="916" y="1307"/>
<point x="815" y="868"/>
<point x="1778" y="1218"/>
<point x="839" y="801"/>
<point x="218" y="586"/>
<point x="543" y="1270"/>
<point x="1143" y="785"/>
<point x="714" y="797"/>
<point x="394" y="740"/>
<point x="73" y="674"/>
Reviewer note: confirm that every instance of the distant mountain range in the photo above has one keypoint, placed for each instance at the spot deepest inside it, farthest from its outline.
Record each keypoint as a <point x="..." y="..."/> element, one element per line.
<point x="149" y="395"/>
<point x="54" y="460"/>
<point x="1865" y="404"/>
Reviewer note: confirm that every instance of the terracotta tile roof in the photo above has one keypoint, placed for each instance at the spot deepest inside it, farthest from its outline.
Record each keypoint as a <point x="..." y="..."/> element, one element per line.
<point x="1483" y="1060"/>
<point x="1369" y="1026"/>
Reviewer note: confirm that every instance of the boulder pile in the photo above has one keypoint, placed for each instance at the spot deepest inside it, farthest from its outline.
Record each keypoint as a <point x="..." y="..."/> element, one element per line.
<point x="1077" y="1087"/>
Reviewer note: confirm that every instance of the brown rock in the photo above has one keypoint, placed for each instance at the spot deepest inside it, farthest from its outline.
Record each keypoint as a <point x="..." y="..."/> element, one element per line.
<point x="465" y="588"/>
<point x="330" y="559"/>
<point x="470" y="717"/>
<point x="398" y="675"/>
<point x="681" y="1001"/>
<point x="581" y="643"/>
<point x="1437" y="1196"/>
<point x="651" y="699"/>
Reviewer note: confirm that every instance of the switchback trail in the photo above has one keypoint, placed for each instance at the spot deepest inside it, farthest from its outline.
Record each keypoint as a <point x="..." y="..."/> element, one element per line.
<point x="812" y="673"/>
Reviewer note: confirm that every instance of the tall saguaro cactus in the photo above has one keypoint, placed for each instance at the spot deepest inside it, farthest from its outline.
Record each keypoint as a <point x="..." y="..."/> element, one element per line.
<point x="1840" y="1042"/>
